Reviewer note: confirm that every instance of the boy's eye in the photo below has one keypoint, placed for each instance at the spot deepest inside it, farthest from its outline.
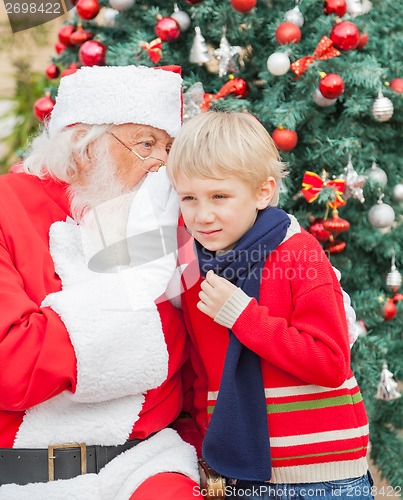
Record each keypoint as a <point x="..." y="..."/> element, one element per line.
<point x="187" y="198"/>
<point x="220" y="196"/>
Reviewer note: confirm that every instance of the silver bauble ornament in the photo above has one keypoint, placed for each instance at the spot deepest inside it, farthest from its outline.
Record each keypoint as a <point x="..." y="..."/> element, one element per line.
<point x="381" y="215"/>
<point x="199" y="51"/>
<point x="321" y="100"/>
<point x="121" y="5"/>
<point x="182" y="18"/>
<point x="109" y="16"/>
<point x="358" y="7"/>
<point x="398" y="192"/>
<point x="393" y="280"/>
<point x="278" y="63"/>
<point x="295" y="16"/>
<point x="382" y="109"/>
<point x="377" y="174"/>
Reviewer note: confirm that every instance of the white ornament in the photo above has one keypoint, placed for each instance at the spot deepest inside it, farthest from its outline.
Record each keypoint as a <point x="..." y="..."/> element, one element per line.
<point x="387" y="387"/>
<point x="377" y="174"/>
<point x="398" y="192"/>
<point x="381" y="215"/>
<point x="358" y="7"/>
<point x="382" y="109"/>
<point x="109" y="16"/>
<point x="225" y="55"/>
<point x="182" y="18"/>
<point x="295" y="16"/>
<point x="199" y="51"/>
<point x="278" y="63"/>
<point x="393" y="278"/>
<point x="360" y="328"/>
<point x="321" y="100"/>
<point x="121" y="5"/>
<point x="354" y="183"/>
<point x="192" y="100"/>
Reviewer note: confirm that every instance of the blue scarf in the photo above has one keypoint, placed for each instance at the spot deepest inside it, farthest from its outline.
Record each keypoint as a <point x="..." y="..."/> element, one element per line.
<point x="237" y="443"/>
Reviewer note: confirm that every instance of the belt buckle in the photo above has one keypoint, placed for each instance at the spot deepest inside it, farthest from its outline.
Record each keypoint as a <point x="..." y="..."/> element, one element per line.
<point x="51" y="457"/>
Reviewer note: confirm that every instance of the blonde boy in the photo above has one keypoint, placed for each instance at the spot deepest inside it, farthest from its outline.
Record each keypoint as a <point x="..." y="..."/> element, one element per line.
<point x="274" y="393"/>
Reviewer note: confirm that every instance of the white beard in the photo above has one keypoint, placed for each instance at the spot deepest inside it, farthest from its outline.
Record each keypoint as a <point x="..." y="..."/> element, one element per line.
<point x="102" y="206"/>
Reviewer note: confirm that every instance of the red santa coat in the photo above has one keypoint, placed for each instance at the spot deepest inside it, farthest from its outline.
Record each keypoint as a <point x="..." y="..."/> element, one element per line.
<point x="37" y="358"/>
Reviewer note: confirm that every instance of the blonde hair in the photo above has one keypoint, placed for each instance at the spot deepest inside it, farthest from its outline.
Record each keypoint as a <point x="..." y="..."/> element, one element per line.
<point x="229" y="143"/>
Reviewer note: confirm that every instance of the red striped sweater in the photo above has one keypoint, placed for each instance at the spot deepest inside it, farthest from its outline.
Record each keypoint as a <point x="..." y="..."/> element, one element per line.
<point x="316" y="415"/>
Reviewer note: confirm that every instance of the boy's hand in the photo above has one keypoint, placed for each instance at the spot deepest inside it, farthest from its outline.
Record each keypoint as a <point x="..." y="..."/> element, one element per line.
<point x="215" y="292"/>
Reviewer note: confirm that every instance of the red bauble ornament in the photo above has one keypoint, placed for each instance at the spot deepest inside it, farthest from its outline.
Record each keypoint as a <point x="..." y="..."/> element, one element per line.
<point x="167" y="29"/>
<point x="243" y="5"/>
<point x="336" y="224"/>
<point x="389" y="310"/>
<point x="285" y="139"/>
<point x="363" y="40"/>
<point x="331" y="86"/>
<point x="316" y="229"/>
<point x="397" y="84"/>
<point x="70" y="70"/>
<point x="80" y="36"/>
<point x="288" y="33"/>
<point x="52" y="71"/>
<point x="43" y="107"/>
<point x="338" y="7"/>
<point x="335" y="246"/>
<point x="87" y="9"/>
<point x="345" y="35"/>
<point x="92" y="53"/>
<point x="59" y="47"/>
<point x="65" y="33"/>
<point x="397" y="297"/>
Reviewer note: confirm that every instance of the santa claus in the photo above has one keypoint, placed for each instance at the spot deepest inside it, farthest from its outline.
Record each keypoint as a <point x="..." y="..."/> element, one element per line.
<point x="91" y="347"/>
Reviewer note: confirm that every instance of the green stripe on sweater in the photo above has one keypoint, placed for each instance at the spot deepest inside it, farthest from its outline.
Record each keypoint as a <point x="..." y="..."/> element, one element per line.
<point x="307" y="405"/>
<point x="314" y="404"/>
<point x="353" y="450"/>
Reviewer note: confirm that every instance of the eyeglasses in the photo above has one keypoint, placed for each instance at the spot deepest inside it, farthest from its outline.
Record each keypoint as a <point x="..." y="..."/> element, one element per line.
<point x="142" y="158"/>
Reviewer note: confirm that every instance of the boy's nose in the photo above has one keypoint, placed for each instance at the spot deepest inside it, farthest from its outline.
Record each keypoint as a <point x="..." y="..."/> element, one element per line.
<point x="204" y="216"/>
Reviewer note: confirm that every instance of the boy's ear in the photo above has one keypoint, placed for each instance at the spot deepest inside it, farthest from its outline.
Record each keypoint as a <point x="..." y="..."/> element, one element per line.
<point x="265" y="193"/>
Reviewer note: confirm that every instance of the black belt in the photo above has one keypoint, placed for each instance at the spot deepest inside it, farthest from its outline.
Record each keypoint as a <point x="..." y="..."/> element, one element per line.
<point x="23" y="465"/>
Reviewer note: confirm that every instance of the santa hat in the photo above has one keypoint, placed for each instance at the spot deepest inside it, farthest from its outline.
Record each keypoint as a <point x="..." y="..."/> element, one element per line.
<point x="100" y="95"/>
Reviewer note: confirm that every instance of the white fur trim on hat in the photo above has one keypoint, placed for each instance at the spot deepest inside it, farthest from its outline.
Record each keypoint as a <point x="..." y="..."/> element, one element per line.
<point x="100" y="95"/>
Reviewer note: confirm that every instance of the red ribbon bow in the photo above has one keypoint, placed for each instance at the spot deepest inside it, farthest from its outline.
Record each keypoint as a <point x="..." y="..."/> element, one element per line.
<point x="324" y="50"/>
<point x="237" y="87"/>
<point x="154" y="49"/>
<point x="312" y="185"/>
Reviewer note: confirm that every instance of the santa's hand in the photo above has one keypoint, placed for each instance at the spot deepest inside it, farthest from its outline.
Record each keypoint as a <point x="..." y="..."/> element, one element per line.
<point x="152" y="231"/>
<point x="215" y="291"/>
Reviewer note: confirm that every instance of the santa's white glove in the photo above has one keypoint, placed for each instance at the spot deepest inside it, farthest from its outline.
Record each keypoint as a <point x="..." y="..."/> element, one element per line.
<point x="152" y="232"/>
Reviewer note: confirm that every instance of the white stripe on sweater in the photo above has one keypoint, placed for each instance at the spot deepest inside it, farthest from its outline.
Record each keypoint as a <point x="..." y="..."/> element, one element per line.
<point x="320" y="437"/>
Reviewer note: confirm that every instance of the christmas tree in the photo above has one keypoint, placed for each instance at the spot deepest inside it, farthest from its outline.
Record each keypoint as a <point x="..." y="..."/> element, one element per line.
<point x="324" y="80"/>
